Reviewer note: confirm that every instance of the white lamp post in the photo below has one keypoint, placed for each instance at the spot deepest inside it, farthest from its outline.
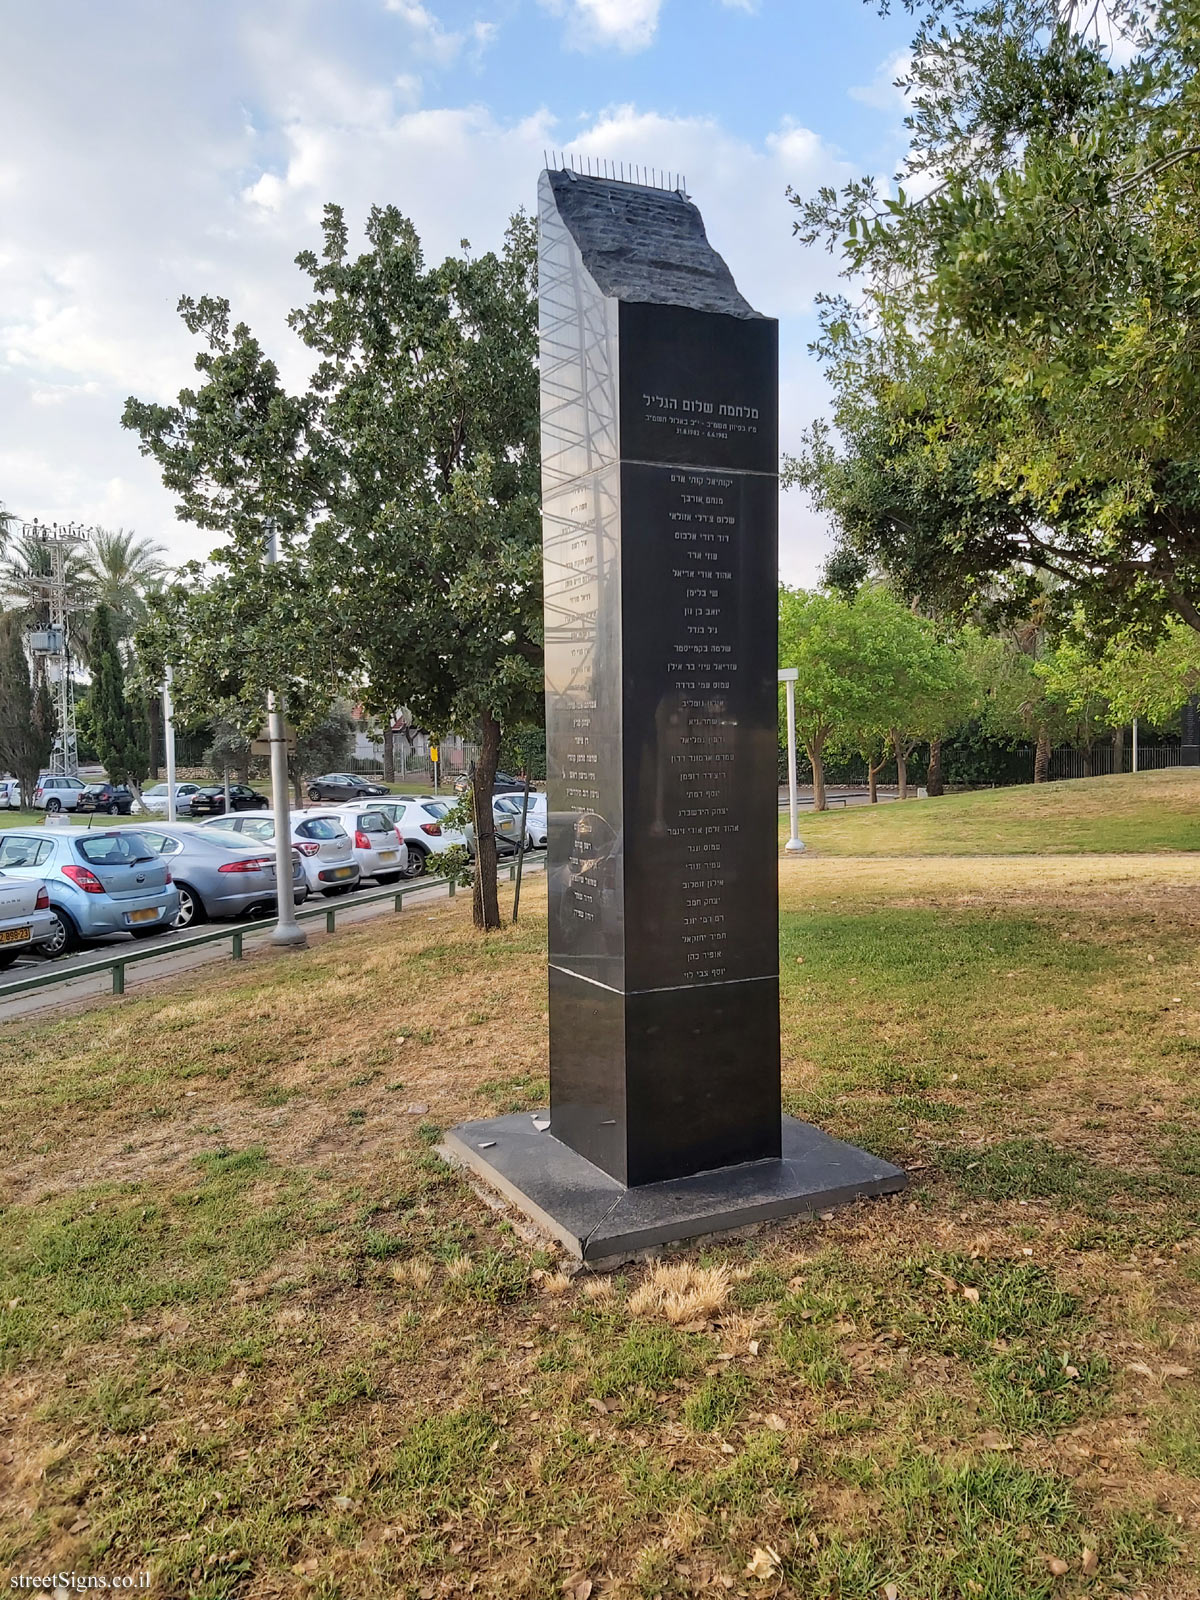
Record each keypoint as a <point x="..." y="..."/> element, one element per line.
<point x="169" y="741"/>
<point x="287" y="930"/>
<point x="788" y="678"/>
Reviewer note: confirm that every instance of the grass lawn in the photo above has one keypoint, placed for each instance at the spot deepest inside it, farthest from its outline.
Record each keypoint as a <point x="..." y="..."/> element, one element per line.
<point x="1145" y="811"/>
<point x="258" y="1340"/>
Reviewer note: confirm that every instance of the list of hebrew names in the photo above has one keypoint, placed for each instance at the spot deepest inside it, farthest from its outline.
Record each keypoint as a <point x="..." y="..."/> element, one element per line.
<point x="700" y="674"/>
<point x="577" y="594"/>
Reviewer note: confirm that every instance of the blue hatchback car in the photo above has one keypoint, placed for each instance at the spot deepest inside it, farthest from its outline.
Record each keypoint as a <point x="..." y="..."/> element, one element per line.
<point x="99" y="881"/>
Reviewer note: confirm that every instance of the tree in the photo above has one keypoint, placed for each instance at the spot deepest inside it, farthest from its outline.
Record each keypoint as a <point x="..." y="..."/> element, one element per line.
<point x="325" y="747"/>
<point x="819" y="635"/>
<point x="120" y="724"/>
<point x="120" y="569"/>
<point x="1030" y="300"/>
<point x="26" y="733"/>
<point x="1151" y="682"/>
<point x="404" y="486"/>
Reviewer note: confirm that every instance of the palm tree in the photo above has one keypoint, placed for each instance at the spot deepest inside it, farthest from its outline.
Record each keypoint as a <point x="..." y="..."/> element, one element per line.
<point x="120" y="570"/>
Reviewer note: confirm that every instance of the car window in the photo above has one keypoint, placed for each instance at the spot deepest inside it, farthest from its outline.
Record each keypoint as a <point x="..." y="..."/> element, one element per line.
<point x="19" y="851"/>
<point x="321" y="828"/>
<point x="436" y="808"/>
<point x="257" y="827"/>
<point x="374" y="822"/>
<point x="114" y="849"/>
<point x="162" y="843"/>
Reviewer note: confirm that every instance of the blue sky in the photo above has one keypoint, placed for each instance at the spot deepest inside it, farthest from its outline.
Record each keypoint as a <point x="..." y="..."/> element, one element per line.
<point x="158" y="149"/>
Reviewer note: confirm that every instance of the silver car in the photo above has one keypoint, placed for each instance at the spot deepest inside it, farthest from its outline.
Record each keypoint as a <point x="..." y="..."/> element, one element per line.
<point x="326" y="851"/>
<point x="218" y="875"/>
<point x="157" y="798"/>
<point x="26" y="921"/>
<point x="99" y="881"/>
<point x="378" y="848"/>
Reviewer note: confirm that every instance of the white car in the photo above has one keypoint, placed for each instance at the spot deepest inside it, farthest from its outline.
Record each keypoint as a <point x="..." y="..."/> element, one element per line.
<point x="326" y="849"/>
<point x="26" y="920"/>
<point x="536" y="831"/>
<point x="378" y="848"/>
<point x="419" y="824"/>
<point x="157" y="798"/>
<point x="10" y="794"/>
<point x="57" y="794"/>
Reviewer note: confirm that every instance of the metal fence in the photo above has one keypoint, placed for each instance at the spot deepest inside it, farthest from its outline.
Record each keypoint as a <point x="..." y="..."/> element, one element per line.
<point x="1104" y="759"/>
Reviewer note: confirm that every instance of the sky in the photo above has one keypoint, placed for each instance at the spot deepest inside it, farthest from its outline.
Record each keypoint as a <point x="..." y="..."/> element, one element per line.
<point x="152" y="150"/>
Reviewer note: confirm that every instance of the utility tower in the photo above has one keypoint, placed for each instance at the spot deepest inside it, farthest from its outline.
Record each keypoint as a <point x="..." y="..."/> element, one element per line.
<point x="54" y="643"/>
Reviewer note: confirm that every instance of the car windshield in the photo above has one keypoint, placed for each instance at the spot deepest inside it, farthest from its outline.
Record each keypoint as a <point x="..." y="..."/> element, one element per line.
<point x="436" y="808"/>
<point x="374" y="822"/>
<point x="114" y="849"/>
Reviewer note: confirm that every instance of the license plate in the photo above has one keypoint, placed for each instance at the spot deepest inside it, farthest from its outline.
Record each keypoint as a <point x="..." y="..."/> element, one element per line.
<point x="342" y="872"/>
<point x="15" y="935"/>
<point x="387" y="855"/>
<point x="150" y="914"/>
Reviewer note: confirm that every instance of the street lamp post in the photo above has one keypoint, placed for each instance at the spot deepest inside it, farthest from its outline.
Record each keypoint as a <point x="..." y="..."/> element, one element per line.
<point x="788" y="678"/>
<point x="287" y="930"/>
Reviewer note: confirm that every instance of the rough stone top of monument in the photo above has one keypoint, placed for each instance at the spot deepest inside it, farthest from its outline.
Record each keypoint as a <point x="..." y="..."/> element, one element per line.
<point x="646" y="244"/>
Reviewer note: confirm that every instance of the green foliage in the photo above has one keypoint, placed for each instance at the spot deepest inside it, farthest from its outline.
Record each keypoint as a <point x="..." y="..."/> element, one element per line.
<point x="404" y="481"/>
<point x="120" y="724"/>
<point x="26" y="719"/>
<point x="1017" y="388"/>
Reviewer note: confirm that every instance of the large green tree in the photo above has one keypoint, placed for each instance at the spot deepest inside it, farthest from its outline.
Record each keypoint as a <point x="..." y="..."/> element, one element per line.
<point x="119" y="721"/>
<point x="403" y="483"/>
<point x="26" y="722"/>
<point x="1027" y="323"/>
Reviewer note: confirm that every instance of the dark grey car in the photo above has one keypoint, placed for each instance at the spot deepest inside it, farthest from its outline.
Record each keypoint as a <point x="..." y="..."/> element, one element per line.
<point x="219" y="875"/>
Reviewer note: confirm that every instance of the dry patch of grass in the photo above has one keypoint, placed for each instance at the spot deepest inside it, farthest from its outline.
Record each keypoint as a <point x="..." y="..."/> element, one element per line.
<point x="257" y="1338"/>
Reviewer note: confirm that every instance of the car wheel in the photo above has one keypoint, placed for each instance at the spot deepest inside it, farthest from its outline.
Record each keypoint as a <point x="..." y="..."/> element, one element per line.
<point x="64" y="938"/>
<point x="191" y="908"/>
<point x="418" y="861"/>
<point x="314" y="794"/>
<point x="53" y="805"/>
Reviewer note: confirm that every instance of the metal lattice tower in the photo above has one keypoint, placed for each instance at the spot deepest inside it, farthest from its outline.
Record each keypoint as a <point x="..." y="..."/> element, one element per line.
<point x="54" y="643"/>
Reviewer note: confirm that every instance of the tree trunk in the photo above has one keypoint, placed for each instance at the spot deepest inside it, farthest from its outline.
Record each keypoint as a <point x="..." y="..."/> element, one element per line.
<point x="1087" y="761"/>
<point x="1041" y="761"/>
<point x="1118" y="750"/>
<point x="934" y="782"/>
<point x="486" y="906"/>
<point x="873" y="782"/>
<point x="898" y="746"/>
<point x="818" y="771"/>
<point x="389" y="753"/>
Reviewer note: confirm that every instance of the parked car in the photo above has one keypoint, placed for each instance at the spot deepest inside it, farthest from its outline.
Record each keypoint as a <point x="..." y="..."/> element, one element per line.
<point x="26" y="921"/>
<point x="99" y="881"/>
<point x="111" y="799"/>
<point x="536" y="832"/>
<point x="209" y="801"/>
<point x="419" y="824"/>
<point x="379" y="850"/>
<point x="157" y="798"/>
<point x="505" y="784"/>
<point x="57" y="793"/>
<point x="10" y="794"/>
<point x="326" y="850"/>
<point x="343" y="786"/>
<point x="220" y="875"/>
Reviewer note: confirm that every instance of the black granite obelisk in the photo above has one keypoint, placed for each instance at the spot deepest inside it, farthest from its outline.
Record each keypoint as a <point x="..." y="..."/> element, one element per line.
<point x="660" y="496"/>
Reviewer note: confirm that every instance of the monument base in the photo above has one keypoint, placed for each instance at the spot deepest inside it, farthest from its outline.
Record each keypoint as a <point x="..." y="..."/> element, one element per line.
<point x="601" y="1222"/>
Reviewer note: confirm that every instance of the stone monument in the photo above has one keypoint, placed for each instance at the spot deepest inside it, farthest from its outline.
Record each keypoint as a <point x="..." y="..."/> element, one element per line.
<point x="660" y="514"/>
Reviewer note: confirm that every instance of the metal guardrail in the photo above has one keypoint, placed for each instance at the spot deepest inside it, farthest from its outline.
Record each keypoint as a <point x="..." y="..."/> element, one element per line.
<point x="236" y="934"/>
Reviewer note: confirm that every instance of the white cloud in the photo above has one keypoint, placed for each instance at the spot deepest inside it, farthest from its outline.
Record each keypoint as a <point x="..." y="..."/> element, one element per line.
<point x="749" y="6"/>
<point x="435" y="43"/>
<point x="626" y="24"/>
<point x="209" y="174"/>
<point x="881" y="94"/>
